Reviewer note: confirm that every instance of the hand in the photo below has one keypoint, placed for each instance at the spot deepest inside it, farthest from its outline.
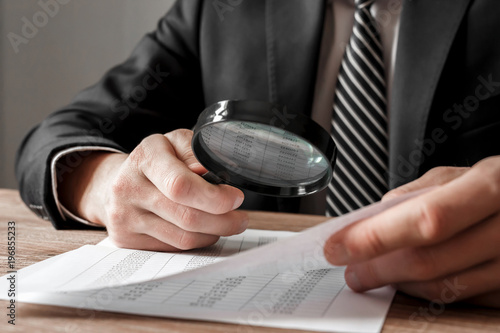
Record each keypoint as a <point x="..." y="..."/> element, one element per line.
<point x="154" y="198"/>
<point x="442" y="246"/>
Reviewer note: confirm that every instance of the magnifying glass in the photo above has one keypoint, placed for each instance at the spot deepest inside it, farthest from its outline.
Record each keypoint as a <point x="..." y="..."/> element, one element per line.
<point x="263" y="147"/>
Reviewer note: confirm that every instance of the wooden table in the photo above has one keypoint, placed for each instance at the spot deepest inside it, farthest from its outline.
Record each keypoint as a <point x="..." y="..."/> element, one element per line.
<point x="36" y="240"/>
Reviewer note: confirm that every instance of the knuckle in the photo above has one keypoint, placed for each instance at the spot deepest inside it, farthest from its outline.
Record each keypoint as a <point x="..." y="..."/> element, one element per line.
<point x="119" y="186"/>
<point x="159" y="203"/>
<point x="395" y="192"/>
<point x="182" y="133"/>
<point x="441" y="175"/>
<point x="177" y="186"/>
<point x="373" y="242"/>
<point x="432" y="223"/>
<point x="138" y="155"/>
<point x="142" y="156"/>
<point x="494" y="185"/>
<point x="152" y="140"/>
<point x="437" y="171"/>
<point x="188" y="218"/>
<point x="491" y="173"/>
<point x="115" y="215"/>
<point x="120" y="220"/>
<point x="488" y="163"/>
<point x="186" y="156"/>
<point x="422" y="264"/>
<point x="136" y="158"/>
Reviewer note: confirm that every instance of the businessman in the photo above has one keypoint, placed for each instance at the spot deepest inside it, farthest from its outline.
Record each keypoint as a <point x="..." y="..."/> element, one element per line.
<point x="411" y="91"/>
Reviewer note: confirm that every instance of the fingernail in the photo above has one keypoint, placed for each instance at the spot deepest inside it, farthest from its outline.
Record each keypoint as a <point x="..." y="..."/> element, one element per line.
<point x="352" y="280"/>
<point x="238" y="202"/>
<point x="337" y="254"/>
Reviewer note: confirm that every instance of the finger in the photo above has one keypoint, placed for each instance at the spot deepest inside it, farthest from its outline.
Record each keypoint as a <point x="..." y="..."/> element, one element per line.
<point x="428" y="219"/>
<point x="122" y="230"/>
<point x="155" y="157"/>
<point x="181" y="142"/>
<point x="434" y="177"/>
<point x="470" y="283"/>
<point x="491" y="299"/>
<point x="474" y="246"/>
<point x="168" y="233"/>
<point x="194" y="220"/>
<point x="188" y="218"/>
<point x="142" y="242"/>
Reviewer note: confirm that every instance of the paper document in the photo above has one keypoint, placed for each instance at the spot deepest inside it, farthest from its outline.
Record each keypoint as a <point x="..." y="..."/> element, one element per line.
<point x="313" y="300"/>
<point x="264" y="278"/>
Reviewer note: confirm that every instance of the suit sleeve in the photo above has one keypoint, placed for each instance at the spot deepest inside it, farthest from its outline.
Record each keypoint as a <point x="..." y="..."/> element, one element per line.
<point x="157" y="89"/>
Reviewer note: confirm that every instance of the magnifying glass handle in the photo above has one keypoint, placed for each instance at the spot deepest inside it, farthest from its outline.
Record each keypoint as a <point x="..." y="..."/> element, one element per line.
<point x="213" y="178"/>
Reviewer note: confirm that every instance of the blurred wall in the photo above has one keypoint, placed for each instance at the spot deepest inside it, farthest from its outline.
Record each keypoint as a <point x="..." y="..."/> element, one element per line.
<point x="75" y="43"/>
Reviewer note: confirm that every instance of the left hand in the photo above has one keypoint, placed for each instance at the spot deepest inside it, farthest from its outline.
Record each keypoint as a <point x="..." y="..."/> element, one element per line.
<point x="443" y="245"/>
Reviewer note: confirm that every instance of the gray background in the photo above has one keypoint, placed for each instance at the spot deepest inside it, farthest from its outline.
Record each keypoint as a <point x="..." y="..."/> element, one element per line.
<point x="69" y="53"/>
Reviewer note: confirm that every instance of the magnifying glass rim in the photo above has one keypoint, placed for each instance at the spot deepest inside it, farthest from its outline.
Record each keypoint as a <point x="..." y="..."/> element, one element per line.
<point x="271" y="115"/>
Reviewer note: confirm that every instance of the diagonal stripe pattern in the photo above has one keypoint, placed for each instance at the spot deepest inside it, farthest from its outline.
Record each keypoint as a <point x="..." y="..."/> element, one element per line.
<point x="359" y="121"/>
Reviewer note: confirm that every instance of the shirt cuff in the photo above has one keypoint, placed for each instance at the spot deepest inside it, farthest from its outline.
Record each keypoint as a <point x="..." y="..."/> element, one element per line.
<point x="65" y="213"/>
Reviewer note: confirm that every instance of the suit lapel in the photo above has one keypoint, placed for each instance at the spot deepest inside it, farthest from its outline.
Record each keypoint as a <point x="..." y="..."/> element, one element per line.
<point x="293" y="33"/>
<point x="427" y="30"/>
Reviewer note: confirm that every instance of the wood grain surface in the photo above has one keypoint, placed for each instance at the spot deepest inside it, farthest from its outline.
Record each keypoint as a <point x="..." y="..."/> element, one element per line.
<point x="37" y="240"/>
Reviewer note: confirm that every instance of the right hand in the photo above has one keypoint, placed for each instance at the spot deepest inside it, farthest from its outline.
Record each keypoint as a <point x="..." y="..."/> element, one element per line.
<point x="154" y="198"/>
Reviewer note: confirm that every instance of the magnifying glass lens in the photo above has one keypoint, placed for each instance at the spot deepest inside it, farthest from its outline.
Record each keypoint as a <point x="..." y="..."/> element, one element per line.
<point x="264" y="148"/>
<point x="264" y="154"/>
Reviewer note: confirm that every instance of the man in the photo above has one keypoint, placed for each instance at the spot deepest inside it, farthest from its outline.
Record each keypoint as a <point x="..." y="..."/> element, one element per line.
<point x="98" y="161"/>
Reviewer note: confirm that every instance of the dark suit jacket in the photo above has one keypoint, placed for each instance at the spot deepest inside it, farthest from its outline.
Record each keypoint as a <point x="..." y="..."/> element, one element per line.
<point x="445" y="104"/>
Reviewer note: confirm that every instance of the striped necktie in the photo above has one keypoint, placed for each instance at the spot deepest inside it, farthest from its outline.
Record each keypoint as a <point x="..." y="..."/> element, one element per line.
<point x="359" y="120"/>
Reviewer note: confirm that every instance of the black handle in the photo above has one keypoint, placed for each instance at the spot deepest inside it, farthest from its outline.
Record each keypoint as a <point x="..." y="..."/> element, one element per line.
<point x="213" y="178"/>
